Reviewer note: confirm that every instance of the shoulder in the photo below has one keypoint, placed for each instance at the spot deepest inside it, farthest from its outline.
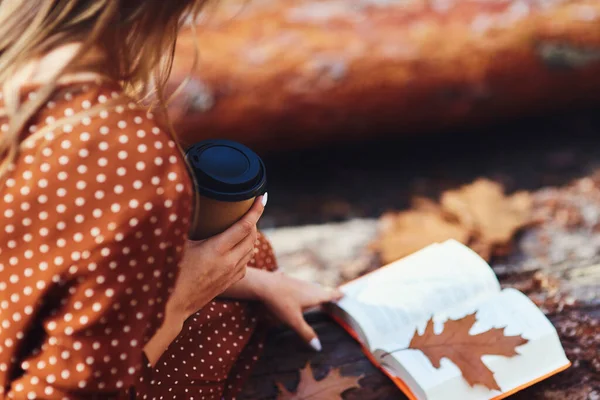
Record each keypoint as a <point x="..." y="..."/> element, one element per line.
<point x="119" y="160"/>
<point x="99" y="132"/>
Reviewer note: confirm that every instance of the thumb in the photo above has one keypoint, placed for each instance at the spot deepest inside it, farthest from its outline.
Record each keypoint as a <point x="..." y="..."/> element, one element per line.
<point x="308" y="334"/>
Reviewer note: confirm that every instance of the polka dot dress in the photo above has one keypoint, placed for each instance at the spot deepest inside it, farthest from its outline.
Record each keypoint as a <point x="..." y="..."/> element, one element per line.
<point x="93" y="220"/>
<point x="213" y="355"/>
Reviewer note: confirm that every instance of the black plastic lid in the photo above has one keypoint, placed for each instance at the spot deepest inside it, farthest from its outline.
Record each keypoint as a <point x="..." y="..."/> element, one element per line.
<point x="227" y="171"/>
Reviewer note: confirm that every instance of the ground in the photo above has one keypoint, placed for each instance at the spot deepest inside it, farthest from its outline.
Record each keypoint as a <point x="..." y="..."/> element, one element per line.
<point x="341" y="190"/>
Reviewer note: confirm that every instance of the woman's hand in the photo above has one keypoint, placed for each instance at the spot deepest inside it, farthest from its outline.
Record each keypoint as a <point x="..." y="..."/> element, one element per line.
<point x="286" y="298"/>
<point x="208" y="268"/>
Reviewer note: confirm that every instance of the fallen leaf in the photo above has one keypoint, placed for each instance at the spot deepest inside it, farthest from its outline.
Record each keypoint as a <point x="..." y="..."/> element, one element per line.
<point x="464" y="350"/>
<point x="404" y="233"/>
<point x="478" y="215"/>
<point x="329" y="388"/>
<point x="483" y="208"/>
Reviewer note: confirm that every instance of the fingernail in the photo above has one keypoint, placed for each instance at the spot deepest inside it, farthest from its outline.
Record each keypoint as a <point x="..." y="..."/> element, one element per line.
<point x="265" y="199"/>
<point x="316" y="344"/>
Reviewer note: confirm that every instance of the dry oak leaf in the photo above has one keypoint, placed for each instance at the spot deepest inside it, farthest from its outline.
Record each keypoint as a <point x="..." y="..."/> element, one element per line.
<point x="464" y="350"/>
<point x="329" y="388"/>
<point x="483" y="208"/>
<point x="406" y="232"/>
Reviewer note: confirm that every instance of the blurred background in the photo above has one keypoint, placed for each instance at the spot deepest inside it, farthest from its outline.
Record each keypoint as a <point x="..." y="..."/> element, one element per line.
<point x="390" y="124"/>
<point x="361" y="106"/>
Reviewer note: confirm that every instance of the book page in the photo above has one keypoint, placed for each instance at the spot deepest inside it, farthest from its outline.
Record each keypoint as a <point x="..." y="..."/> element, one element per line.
<point x="543" y="354"/>
<point x="395" y="297"/>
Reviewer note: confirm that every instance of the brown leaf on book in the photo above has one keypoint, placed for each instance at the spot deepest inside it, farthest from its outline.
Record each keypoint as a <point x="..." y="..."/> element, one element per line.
<point x="329" y="388"/>
<point x="404" y="233"/>
<point x="483" y="208"/>
<point x="464" y="350"/>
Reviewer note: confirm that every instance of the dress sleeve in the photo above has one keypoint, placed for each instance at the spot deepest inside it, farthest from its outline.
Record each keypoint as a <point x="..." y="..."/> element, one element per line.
<point x="122" y="201"/>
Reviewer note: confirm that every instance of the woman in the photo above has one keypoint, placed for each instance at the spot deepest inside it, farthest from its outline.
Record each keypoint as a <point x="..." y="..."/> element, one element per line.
<point x="98" y="282"/>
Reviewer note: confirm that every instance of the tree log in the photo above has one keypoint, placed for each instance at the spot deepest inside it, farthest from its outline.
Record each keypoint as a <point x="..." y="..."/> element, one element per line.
<point x="299" y="73"/>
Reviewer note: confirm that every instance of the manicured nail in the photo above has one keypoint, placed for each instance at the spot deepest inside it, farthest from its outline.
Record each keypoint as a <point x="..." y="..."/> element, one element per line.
<point x="316" y="344"/>
<point x="265" y="199"/>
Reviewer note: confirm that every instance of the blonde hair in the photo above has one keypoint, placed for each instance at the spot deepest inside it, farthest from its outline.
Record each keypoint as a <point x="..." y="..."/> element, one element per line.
<point x="137" y="36"/>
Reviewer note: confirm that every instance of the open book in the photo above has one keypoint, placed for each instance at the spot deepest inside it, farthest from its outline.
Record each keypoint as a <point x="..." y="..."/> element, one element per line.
<point x="445" y="281"/>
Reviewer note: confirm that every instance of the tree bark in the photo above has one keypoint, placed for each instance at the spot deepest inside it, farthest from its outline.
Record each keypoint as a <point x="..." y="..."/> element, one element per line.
<point x="300" y="73"/>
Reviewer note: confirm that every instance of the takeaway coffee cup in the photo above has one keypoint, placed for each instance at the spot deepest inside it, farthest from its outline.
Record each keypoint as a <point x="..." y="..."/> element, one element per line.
<point x="228" y="176"/>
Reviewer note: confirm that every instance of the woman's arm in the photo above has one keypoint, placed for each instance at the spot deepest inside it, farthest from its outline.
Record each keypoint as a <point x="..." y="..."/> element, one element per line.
<point x="251" y="287"/>
<point x="287" y="298"/>
<point x="207" y="269"/>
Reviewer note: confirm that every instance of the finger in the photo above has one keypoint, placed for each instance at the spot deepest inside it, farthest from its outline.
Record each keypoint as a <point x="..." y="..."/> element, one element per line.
<point x="243" y="247"/>
<point x="241" y="229"/>
<point x="307" y="333"/>
<point x="332" y="294"/>
<point x="245" y="260"/>
<point x="320" y="295"/>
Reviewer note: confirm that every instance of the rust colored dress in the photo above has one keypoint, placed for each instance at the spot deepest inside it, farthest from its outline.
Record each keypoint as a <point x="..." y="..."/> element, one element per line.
<point x="214" y="354"/>
<point x="94" y="215"/>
